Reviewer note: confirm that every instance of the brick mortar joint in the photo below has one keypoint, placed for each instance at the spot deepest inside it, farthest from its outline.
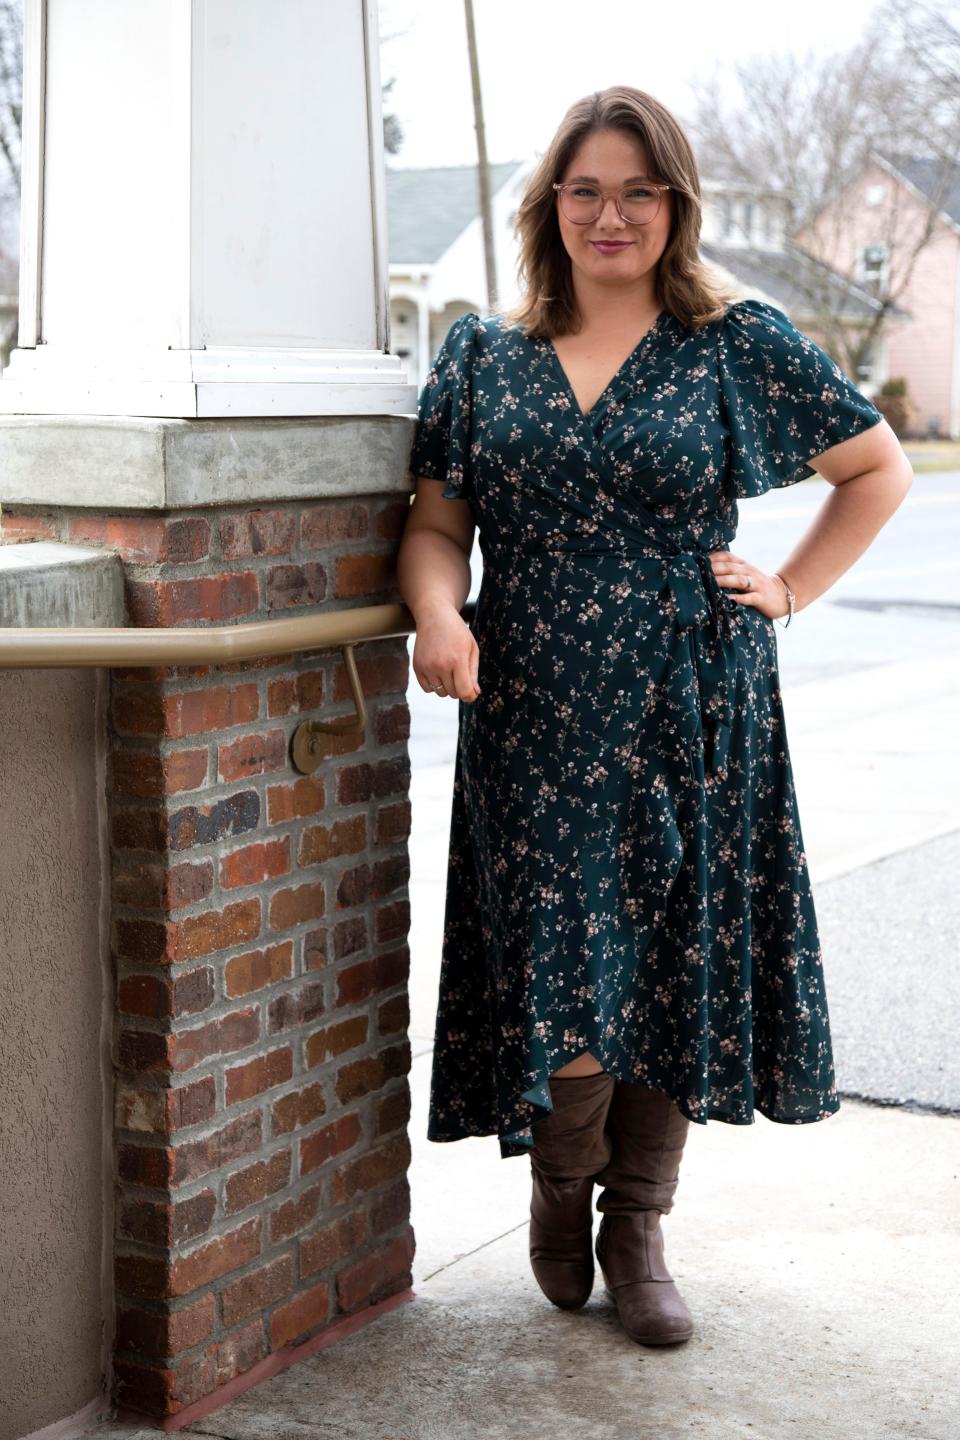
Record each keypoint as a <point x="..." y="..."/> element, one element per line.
<point x="323" y="1075"/>
<point x="282" y="1250"/>
<point x="227" y="1226"/>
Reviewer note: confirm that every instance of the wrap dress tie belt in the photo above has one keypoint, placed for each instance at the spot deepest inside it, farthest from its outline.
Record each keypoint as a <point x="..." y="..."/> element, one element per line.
<point x="704" y="666"/>
<point x="699" y="602"/>
<point x="696" y="678"/>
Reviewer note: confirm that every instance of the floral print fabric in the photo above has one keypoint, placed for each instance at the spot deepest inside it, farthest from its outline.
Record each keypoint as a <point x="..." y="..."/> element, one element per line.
<point x="626" y="865"/>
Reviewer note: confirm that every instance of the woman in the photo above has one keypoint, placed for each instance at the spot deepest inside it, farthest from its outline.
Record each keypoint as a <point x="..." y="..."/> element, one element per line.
<point x="630" y="942"/>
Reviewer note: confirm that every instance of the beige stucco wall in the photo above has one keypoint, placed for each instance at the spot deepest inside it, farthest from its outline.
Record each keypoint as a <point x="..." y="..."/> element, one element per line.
<point x="55" y="1190"/>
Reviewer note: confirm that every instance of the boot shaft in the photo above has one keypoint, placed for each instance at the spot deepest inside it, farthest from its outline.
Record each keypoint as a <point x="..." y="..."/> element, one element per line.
<point x="571" y="1142"/>
<point x="647" y="1134"/>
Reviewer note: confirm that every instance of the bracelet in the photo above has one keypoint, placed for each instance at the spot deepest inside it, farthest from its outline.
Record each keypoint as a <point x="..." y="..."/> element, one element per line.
<point x="791" y="601"/>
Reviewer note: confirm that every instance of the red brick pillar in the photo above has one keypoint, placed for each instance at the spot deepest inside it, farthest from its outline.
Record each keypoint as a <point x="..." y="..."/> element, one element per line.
<point x="259" y="923"/>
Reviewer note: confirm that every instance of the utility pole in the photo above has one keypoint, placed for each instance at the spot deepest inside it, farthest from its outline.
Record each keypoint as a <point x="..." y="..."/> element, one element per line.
<point x="483" y="171"/>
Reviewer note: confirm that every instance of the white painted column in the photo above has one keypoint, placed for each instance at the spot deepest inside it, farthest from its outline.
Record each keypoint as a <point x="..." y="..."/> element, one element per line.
<point x="203" y="227"/>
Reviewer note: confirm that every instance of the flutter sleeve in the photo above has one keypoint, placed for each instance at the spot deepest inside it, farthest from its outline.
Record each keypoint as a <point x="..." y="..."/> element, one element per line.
<point x="441" y="441"/>
<point x="785" y="400"/>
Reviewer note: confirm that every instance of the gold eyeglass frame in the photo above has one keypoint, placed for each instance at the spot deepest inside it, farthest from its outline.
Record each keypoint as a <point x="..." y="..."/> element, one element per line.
<point x="659" y="186"/>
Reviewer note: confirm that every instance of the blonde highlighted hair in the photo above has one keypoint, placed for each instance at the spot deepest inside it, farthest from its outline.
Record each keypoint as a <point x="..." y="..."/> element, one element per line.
<point x="685" y="285"/>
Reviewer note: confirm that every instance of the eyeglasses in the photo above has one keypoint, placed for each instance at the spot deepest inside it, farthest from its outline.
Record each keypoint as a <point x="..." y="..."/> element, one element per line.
<point x="637" y="204"/>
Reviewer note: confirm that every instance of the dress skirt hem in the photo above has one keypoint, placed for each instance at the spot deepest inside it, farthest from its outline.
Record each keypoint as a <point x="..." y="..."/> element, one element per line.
<point x="520" y="1142"/>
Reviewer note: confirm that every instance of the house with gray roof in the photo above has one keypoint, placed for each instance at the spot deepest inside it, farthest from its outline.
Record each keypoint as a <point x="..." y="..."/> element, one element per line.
<point x="437" y="271"/>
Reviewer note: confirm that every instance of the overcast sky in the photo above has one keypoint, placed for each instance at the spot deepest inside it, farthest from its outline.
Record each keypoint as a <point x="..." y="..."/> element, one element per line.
<point x="538" y="56"/>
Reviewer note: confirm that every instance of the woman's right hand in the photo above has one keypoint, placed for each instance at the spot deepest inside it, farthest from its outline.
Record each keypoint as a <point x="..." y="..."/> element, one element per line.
<point x="446" y="654"/>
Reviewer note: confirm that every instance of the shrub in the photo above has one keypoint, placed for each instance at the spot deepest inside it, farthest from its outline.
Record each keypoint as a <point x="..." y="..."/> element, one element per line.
<point x="895" y="405"/>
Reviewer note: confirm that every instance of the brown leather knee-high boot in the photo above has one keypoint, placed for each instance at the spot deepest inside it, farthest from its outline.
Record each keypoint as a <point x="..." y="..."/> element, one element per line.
<point x="569" y="1147"/>
<point x="647" y="1134"/>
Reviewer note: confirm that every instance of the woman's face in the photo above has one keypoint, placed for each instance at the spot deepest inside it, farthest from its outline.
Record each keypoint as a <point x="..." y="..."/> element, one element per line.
<point x="609" y="159"/>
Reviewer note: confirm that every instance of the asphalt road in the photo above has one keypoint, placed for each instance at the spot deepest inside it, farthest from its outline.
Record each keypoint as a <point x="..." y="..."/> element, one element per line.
<point x="890" y="933"/>
<point x="899" y="601"/>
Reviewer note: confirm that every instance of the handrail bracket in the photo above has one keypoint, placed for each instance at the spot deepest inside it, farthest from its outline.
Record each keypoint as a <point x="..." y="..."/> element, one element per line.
<point x="308" y="747"/>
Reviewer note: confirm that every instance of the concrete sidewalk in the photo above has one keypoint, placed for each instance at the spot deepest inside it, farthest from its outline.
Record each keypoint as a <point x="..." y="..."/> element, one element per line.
<point x="820" y="1261"/>
<point x="875" y="760"/>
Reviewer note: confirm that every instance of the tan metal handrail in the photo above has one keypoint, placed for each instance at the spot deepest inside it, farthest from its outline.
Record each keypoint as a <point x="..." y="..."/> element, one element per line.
<point x="50" y="647"/>
<point x="66" y="647"/>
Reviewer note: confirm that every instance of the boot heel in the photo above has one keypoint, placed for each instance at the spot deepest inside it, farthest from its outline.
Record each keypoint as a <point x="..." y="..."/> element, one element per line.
<point x="651" y="1309"/>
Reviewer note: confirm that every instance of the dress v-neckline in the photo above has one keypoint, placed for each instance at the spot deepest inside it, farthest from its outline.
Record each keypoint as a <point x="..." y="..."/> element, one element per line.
<point x="586" y="415"/>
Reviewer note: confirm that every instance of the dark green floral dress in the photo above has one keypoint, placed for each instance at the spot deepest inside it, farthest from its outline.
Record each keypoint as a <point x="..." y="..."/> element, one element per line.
<point x="626" y="866"/>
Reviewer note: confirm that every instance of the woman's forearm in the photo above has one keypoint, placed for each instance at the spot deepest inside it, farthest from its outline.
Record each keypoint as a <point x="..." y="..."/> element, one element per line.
<point x="850" y="518"/>
<point x="432" y="572"/>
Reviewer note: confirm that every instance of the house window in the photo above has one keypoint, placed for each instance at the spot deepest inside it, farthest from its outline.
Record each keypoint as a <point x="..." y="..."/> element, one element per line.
<point x="874" y="194"/>
<point x="873" y="265"/>
<point x="747" y="219"/>
<point x="725" y="217"/>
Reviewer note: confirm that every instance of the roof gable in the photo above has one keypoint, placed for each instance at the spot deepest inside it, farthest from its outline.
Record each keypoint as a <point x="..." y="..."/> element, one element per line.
<point x="427" y="208"/>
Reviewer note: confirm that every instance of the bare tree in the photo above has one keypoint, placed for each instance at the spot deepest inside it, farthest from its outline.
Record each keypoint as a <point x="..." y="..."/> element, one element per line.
<point x="11" y="123"/>
<point x="927" y="34"/>
<point x="11" y="86"/>
<point x="808" y="127"/>
<point x="392" y="129"/>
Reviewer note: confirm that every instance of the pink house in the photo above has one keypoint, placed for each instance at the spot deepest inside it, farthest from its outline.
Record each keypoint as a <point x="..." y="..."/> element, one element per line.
<point x="895" y="231"/>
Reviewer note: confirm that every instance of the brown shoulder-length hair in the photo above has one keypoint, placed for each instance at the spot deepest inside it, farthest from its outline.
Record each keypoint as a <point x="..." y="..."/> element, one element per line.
<point x="685" y="285"/>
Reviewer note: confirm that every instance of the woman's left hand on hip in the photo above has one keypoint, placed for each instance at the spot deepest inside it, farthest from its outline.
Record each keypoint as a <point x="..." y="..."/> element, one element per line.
<point x="749" y="585"/>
